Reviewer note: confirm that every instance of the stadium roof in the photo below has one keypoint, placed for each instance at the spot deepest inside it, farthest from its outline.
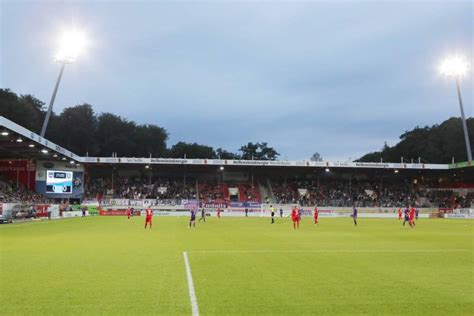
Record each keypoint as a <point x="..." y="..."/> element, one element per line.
<point x="17" y="142"/>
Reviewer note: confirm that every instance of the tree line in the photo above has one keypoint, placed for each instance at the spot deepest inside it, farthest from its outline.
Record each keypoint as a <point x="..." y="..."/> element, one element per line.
<point x="440" y="143"/>
<point x="81" y="130"/>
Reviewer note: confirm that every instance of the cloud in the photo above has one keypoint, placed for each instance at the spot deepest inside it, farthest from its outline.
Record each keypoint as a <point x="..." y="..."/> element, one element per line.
<point x="338" y="78"/>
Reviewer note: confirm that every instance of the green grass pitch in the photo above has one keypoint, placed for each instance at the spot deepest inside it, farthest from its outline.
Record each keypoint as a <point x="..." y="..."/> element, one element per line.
<point x="240" y="266"/>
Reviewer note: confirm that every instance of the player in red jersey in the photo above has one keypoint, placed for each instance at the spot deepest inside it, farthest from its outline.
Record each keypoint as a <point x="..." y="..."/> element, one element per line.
<point x="411" y="217"/>
<point x="129" y="212"/>
<point x="295" y="217"/>
<point x="400" y="213"/>
<point x="148" y="217"/>
<point x="218" y="212"/>
<point x="316" y="215"/>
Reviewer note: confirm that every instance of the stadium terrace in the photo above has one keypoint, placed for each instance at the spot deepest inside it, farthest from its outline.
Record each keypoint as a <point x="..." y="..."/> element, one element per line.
<point x="36" y="170"/>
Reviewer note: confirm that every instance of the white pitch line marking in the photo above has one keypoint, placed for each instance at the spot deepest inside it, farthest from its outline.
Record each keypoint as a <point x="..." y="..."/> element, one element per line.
<point x="192" y="292"/>
<point x="333" y="251"/>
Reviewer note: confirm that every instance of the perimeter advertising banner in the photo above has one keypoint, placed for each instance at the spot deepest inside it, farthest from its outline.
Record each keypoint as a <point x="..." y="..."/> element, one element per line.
<point x="59" y="179"/>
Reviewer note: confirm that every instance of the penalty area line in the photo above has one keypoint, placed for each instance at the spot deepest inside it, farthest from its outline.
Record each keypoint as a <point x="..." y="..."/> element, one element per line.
<point x="192" y="292"/>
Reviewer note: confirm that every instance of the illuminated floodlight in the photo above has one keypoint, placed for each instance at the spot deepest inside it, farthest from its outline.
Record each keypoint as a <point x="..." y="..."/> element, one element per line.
<point x="221" y="168"/>
<point x="31" y="145"/>
<point x="44" y="151"/>
<point x="327" y="169"/>
<point x="71" y="44"/>
<point x="454" y="66"/>
<point x="72" y="162"/>
<point x="19" y="140"/>
<point x="396" y="171"/>
<point x="5" y="133"/>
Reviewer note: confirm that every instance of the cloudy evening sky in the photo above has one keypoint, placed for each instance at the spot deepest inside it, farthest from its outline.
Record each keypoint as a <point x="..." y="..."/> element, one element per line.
<point x="339" y="78"/>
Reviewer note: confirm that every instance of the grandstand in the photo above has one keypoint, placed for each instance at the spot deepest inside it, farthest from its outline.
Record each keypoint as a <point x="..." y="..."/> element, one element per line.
<point x="234" y="185"/>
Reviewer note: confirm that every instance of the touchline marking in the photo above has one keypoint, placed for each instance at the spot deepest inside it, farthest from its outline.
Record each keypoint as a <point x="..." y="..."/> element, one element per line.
<point x="331" y="251"/>
<point x="192" y="293"/>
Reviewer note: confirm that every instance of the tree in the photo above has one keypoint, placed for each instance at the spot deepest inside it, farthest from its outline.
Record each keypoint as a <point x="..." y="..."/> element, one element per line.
<point x="75" y="128"/>
<point x="25" y="110"/>
<point x="150" y="139"/>
<point x="435" y="144"/>
<point x="258" y="151"/>
<point x="115" y="134"/>
<point x="188" y="150"/>
<point x="224" y="154"/>
<point x="316" y="157"/>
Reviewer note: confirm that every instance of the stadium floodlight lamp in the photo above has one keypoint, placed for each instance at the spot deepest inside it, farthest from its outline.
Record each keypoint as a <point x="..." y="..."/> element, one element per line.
<point x="44" y="151"/>
<point x="221" y="168"/>
<point x="55" y="155"/>
<point x="454" y="66"/>
<point x="72" y="43"/>
<point x="31" y="145"/>
<point x="5" y="133"/>
<point x="64" y="158"/>
<point x="147" y="167"/>
<point x="396" y="171"/>
<point x="19" y="140"/>
<point x="72" y="162"/>
<point x="327" y="170"/>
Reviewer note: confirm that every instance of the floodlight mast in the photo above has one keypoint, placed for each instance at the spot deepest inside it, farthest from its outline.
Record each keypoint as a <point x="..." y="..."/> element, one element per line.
<point x="457" y="67"/>
<point x="72" y="43"/>
<point x="51" y="102"/>
<point x="464" y="124"/>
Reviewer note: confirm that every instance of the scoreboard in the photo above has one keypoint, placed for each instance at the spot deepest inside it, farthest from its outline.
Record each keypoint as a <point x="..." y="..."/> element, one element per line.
<point x="59" y="182"/>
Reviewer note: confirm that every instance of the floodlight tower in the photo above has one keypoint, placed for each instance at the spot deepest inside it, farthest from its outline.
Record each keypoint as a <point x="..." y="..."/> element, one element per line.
<point x="71" y="45"/>
<point x="457" y="67"/>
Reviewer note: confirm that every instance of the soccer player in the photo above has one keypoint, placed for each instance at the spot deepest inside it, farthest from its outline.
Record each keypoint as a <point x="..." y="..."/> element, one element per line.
<point x="129" y="212"/>
<point x="281" y="212"/>
<point x="354" y="214"/>
<point x="192" y="220"/>
<point x="316" y="215"/>
<point x="148" y="217"/>
<point x="246" y="212"/>
<point x="295" y="218"/>
<point x="272" y="209"/>
<point x="218" y="212"/>
<point x="406" y="217"/>
<point x="412" y="217"/>
<point x="416" y="213"/>
<point x="399" y="213"/>
<point x="203" y="215"/>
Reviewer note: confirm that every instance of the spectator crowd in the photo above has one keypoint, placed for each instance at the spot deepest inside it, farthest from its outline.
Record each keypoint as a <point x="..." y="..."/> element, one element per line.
<point x="11" y="193"/>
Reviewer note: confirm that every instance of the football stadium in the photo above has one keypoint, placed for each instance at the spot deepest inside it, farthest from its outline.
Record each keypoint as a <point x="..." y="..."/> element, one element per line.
<point x="101" y="214"/>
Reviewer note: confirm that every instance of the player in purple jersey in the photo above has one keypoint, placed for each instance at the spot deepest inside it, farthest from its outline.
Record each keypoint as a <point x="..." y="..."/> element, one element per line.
<point x="354" y="214"/>
<point x="203" y="215"/>
<point x="406" y="217"/>
<point x="192" y="220"/>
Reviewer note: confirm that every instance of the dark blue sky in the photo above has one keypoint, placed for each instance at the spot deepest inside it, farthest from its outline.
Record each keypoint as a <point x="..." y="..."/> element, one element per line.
<point x="337" y="78"/>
